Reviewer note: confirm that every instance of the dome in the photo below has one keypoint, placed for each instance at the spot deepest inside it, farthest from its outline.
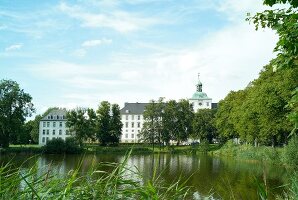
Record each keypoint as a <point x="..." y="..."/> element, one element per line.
<point x="200" y="95"/>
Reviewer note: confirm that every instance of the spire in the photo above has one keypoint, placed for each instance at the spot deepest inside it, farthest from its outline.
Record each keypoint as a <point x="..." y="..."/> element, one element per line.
<point x="199" y="85"/>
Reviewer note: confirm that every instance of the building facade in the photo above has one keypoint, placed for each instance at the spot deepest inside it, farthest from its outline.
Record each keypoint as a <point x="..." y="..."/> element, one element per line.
<point x="132" y="120"/>
<point x="199" y="99"/>
<point x="52" y="126"/>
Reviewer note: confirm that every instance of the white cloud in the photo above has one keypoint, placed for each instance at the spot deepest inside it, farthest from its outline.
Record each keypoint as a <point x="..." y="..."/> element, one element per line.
<point x="94" y="43"/>
<point x="117" y="19"/>
<point x="14" y="47"/>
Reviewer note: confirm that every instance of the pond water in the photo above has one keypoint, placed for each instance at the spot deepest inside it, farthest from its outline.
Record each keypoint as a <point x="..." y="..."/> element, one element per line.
<point x="221" y="178"/>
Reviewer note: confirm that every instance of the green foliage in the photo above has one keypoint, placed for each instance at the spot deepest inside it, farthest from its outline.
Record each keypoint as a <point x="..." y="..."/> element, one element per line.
<point x="258" y="114"/>
<point x="82" y="127"/>
<point x="204" y="125"/>
<point x="58" y="146"/>
<point x="108" y="124"/>
<point x="291" y="152"/>
<point x="15" y="106"/>
<point x="165" y="121"/>
<point x="55" y="146"/>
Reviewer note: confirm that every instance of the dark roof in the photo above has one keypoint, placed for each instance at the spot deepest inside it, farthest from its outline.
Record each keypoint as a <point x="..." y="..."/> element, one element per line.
<point x="133" y="108"/>
<point x="214" y="105"/>
<point x="54" y="114"/>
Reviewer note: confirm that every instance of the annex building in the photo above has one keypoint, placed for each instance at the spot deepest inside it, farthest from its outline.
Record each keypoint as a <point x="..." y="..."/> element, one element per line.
<point x="53" y="125"/>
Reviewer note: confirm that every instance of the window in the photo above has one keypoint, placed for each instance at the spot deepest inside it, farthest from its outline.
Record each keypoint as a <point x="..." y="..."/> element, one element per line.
<point x="132" y="135"/>
<point x="47" y="139"/>
<point x="60" y="132"/>
<point x="54" y="132"/>
<point x="132" y="117"/>
<point x="63" y="116"/>
<point x="127" y="111"/>
<point x="44" y="124"/>
<point x="60" y="124"/>
<point x="48" y="124"/>
<point x="132" y="124"/>
<point x="54" y="124"/>
<point x="43" y="140"/>
<point x="43" y="132"/>
<point x="48" y="132"/>
<point x="126" y="130"/>
<point x="126" y="135"/>
<point x="126" y="117"/>
<point x="200" y="104"/>
<point x="207" y="103"/>
<point x="49" y="117"/>
<point x="126" y="124"/>
<point x="139" y="124"/>
<point x="139" y="117"/>
<point x="57" y="116"/>
<point x="132" y="130"/>
<point x="52" y="117"/>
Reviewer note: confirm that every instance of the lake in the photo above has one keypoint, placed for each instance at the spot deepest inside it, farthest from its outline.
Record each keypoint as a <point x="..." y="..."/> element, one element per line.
<point x="221" y="178"/>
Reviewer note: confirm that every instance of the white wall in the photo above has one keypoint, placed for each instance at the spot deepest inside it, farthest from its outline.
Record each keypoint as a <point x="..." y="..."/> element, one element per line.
<point x="46" y="131"/>
<point x="129" y="133"/>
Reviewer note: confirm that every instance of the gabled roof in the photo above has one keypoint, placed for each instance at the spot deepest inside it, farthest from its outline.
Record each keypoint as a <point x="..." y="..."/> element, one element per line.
<point x="133" y="108"/>
<point x="53" y="115"/>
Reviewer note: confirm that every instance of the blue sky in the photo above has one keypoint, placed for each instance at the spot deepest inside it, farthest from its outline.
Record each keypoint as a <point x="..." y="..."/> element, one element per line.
<point x="78" y="53"/>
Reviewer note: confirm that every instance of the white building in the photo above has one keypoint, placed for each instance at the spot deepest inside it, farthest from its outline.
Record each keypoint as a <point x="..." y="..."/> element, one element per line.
<point x="52" y="126"/>
<point x="199" y="99"/>
<point x="132" y="114"/>
<point x="132" y="119"/>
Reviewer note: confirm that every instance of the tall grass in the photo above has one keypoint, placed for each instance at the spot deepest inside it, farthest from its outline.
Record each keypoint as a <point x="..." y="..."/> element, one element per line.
<point x="119" y="183"/>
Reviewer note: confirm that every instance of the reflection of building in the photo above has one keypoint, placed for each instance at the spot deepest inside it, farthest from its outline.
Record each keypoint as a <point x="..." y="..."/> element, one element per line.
<point x="199" y="99"/>
<point x="132" y="120"/>
<point x="53" y="126"/>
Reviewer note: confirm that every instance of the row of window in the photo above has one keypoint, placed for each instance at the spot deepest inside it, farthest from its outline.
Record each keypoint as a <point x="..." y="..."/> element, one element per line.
<point x="133" y="124"/>
<point x="46" y="139"/>
<point x="47" y="124"/>
<point x="200" y="104"/>
<point x="47" y="131"/>
<point x="132" y="117"/>
<point x="132" y="136"/>
<point x="132" y="130"/>
<point x="56" y="117"/>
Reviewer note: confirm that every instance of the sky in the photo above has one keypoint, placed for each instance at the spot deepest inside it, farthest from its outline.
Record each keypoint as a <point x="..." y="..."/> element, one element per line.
<point x="68" y="53"/>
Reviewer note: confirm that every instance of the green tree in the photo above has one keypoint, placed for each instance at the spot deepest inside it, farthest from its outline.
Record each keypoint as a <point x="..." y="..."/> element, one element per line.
<point x="284" y="22"/>
<point x="80" y="123"/>
<point x="170" y="119"/>
<point x="116" y="125"/>
<point x="103" y="123"/>
<point x="185" y="116"/>
<point x="203" y="125"/>
<point x="15" y="106"/>
<point x="149" y="130"/>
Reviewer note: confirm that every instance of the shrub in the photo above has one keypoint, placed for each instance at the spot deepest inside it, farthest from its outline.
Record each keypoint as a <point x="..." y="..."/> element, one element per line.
<point x="56" y="145"/>
<point x="72" y="146"/>
<point x="291" y="152"/>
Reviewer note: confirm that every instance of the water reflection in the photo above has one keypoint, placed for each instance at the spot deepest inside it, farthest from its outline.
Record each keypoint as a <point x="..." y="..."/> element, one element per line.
<point x="207" y="175"/>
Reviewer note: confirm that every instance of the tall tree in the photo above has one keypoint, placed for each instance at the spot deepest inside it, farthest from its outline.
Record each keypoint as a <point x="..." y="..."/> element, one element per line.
<point x="149" y="130"/>
<point x="203" y="125"/>
<point x="15" y="106"/>
<point x="116" y="125"/>
<point x="103" y="123"/>
<point x="170" y="119"/>
<point x="185" y="116"/>
<point x="284" y="22"/>
<point x="80" y="123"/>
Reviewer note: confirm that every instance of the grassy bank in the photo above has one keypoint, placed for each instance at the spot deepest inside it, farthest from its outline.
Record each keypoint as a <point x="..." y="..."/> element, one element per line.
<point x="287" y="155"/>
<point x="121" y="149"/>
